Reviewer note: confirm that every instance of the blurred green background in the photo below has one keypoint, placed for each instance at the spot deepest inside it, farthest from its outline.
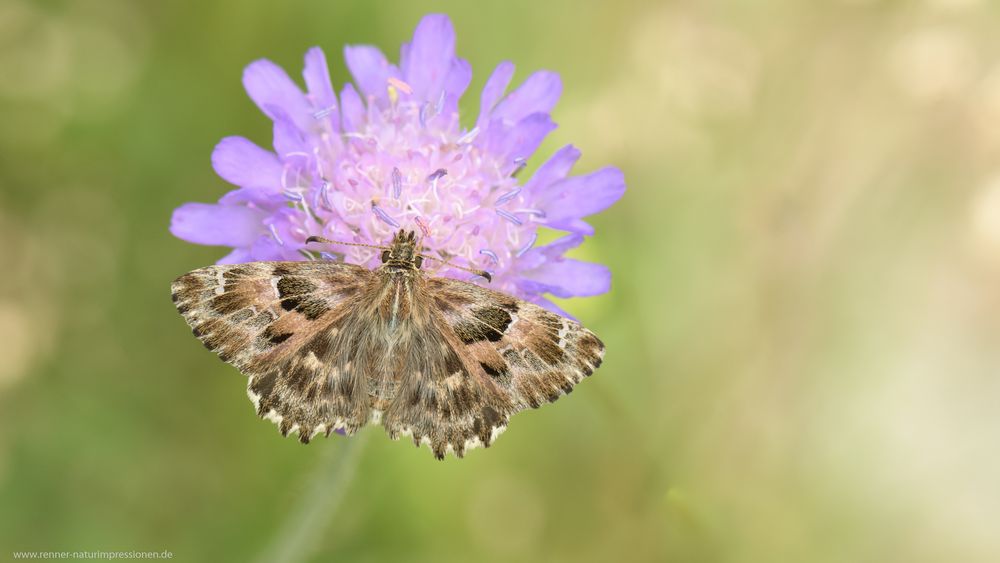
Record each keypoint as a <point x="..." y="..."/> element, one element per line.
<point x="803" y="334"/>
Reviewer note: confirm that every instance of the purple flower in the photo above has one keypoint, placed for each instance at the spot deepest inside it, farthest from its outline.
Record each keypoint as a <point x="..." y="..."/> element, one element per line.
<point x="391" y="153"/>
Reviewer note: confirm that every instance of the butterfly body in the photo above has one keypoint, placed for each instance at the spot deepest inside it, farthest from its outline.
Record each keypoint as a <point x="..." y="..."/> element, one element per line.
<point x="328" y="346"/>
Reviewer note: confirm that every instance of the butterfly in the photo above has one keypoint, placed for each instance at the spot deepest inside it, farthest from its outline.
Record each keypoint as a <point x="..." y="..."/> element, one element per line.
<point x="331" y="346"/>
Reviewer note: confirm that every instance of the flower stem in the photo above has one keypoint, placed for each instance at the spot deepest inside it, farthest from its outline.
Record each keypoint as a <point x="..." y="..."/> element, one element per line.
<point x="312" y="514"/>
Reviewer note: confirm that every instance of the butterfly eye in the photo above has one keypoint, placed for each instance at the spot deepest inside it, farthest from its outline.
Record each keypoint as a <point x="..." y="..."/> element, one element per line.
<point x="385" y="256"/>
<point x="418" y="261"/>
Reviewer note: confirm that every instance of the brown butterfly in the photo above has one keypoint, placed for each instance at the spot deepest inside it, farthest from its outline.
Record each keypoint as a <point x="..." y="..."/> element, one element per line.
<point x="328" y="346"/>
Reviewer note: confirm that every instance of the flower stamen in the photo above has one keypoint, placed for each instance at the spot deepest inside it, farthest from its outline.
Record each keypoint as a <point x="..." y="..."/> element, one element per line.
<point x="400" y="85"/>
<point x="468" y="137"/>
<point x="439" y="173"/>
<point x="439" y="107"/>
<point x="423" y="227"/>
<point x="274" y="234"/>
<point x="397" y="182"/>
<point x="527" y="247"/>
<point x="383" y="215"/>
<point x="492" y="255"/>
<point x="323" y="113"/>
<point x="422" y="116"/>
<point x="508" y="196"/>
<point x="519" y="164"/>
<point x="535" y="212"/>
<point x="509" y="216"/>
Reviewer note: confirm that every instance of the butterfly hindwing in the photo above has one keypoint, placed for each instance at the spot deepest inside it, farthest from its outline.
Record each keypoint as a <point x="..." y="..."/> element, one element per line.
<point x="445" y="399"/>
<point x="278" y="323"/>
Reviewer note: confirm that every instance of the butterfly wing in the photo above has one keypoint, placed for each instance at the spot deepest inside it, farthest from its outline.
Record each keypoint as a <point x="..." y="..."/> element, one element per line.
<point x="485" y="357"/>
<point x="282" y="325"/>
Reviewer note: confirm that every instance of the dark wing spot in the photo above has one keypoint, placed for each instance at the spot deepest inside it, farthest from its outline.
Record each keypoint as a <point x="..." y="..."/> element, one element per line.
<point x="293" y="285"/>
<point x="299" y="376"/>
<point x="548" y="351"/>
<point x="483" y="425"/>
<point x="311" y="308"/>
<point x="290" y="303"/>
<point x="494" y="370"/>
<point x="241" y="316"/>
<point x="273" y="337"/>
<point x="319" y="345"/>
<point x="263" y="385"/>
<point x="490" y="416"/>
<point x="488" y="323"/>
<point x="263" y="319"/>
<point x="347" y="290"/>
<point x="237" y="272"/>
<point x="229" y="303"/>
<point x="452" y="363"/>
<point x="345" y="387"/>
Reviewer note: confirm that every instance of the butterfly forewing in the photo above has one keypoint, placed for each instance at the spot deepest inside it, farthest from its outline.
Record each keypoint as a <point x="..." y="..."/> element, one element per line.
<point x="278" y="323"/>
<point x="486" y="355"/>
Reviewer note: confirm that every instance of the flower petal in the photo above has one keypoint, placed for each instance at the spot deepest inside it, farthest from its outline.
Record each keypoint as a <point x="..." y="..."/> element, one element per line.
<point x="222" y="225"/>
<point x="265" y="248"/>
<point x="287" y="137"/>
<point x="545" y="303"/>
<point x="555" y="168"/>
<point x="579" y="196"/>
<point x="538" y="94"/>
<point x="370" y="69"/>
<point x="568" y="278"/>
<point x="239" y="161"/>
<point x="352" y="109"/>
<point x="237" y="256"/>
<point x="552" y="251"/>
<point x="572" y="225"/>
<point x="263" y="199"/>
<point x="520" y="141"/>
<point x="317" y="76"/>
<point x="429" y="57"/>
<point x="457" y="81"/>
<point x="495" y="86"/>
<point x="270" y="87"/>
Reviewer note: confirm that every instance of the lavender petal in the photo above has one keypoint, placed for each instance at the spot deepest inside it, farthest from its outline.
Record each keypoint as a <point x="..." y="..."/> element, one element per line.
<point x="555" y="168"/>
<point x="352" y="109"/>
<point x="317" y="76"/>
<point x="571" y="278"/>
<point x="370" y="69"/>
<point x="237" y="256"/>
<point x="580" y="196"/>
<point x="269" y="86"/>
<point x="493" y="91"/>
<point x="429" y="56"/>
<point x="215" y="224"/>
<point x="288" y="138"/>
<point x="239" y="161"/>
<point x="538" y="94"/>
<point x="522" y="140"/>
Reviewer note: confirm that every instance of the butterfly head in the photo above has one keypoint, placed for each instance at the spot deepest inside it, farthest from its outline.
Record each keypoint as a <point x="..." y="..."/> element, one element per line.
<point x="402" y="253"/>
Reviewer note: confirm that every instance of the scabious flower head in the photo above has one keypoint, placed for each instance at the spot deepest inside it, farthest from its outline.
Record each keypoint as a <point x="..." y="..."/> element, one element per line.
<point x="390" y="154"/>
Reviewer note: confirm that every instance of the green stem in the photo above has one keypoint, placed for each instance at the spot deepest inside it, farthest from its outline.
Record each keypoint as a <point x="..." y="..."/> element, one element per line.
<point x="316" y="507"/>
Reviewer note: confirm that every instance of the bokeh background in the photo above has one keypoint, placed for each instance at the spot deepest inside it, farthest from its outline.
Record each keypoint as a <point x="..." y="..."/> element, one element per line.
<point x="803" y="334"/>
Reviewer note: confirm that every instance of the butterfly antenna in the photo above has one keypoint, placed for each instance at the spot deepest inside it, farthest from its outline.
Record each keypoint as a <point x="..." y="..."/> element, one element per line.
<point x="328" y="241"/>
<point x="444" y="263"/>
